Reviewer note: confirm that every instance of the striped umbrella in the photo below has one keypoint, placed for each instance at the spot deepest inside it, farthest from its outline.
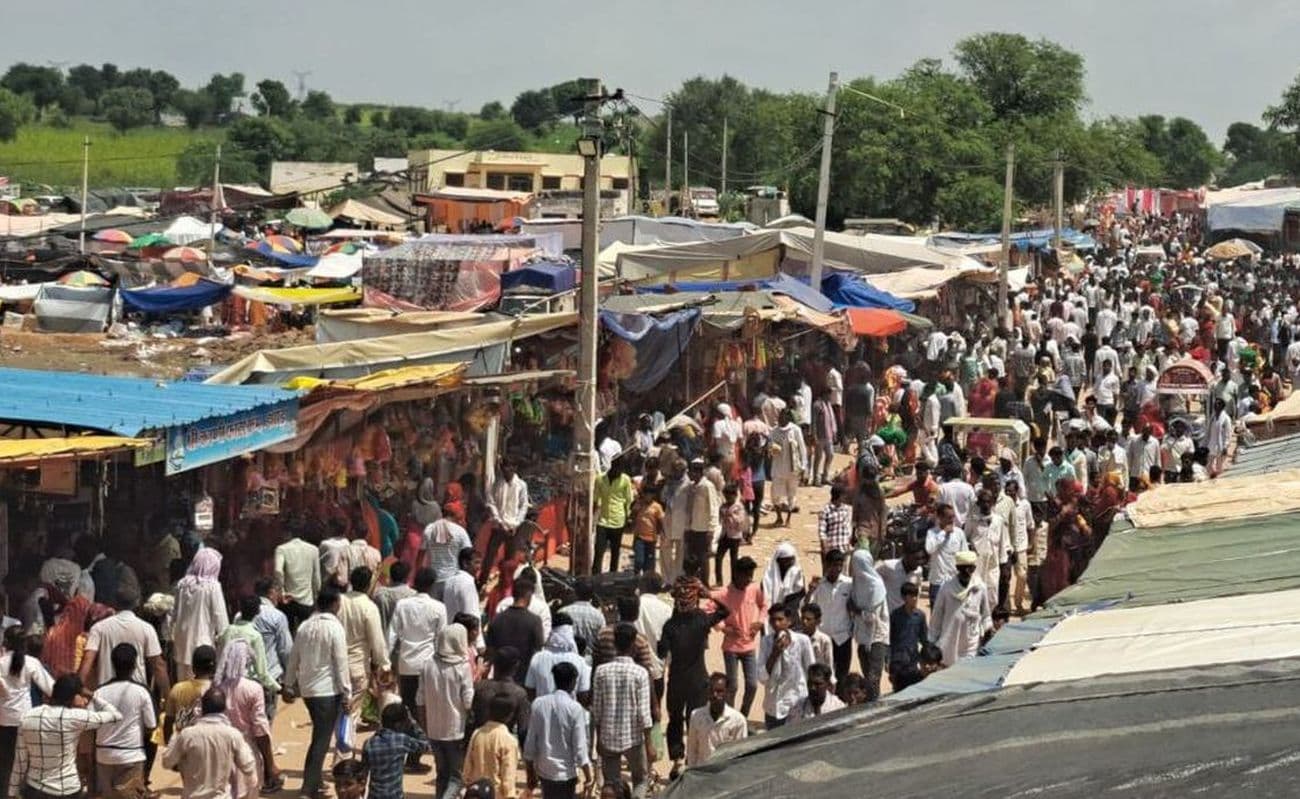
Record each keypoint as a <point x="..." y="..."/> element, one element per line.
<point x="82" y="279"/>
<point x="114" y="236"/>
<point x="185" y="255"/>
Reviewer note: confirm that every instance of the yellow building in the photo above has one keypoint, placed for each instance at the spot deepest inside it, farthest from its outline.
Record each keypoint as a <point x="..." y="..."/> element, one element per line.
<point x="548" y="175"/>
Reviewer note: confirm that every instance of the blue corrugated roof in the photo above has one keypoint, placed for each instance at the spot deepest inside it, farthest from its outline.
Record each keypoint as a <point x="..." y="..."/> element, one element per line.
<point x="126" y="406"/>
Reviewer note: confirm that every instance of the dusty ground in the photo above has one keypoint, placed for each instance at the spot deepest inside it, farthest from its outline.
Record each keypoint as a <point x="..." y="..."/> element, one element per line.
<point x="167" y="358"/>
<point x="292" y="729"/>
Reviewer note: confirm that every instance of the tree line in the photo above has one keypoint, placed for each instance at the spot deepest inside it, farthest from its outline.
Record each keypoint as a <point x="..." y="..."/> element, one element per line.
<point x="925" y="146"/>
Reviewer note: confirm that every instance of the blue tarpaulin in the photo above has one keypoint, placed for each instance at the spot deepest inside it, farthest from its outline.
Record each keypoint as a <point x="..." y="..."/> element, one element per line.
<point x="292" y="260"/>
<point x="174" y="299"/>
<point x="659" y="342"/>
<point x="792" y="287"/>
<point x="551" y="276"/>
<point x="1024" y="240"/>
<point x="850" y="291"/>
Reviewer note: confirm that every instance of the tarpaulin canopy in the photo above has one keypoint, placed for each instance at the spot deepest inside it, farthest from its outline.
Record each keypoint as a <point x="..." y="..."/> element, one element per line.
<point x="444" y="374"/>
<point x="187" y="230"/>
<point x="24" y="292"/>
<point x="17" y="451"/>
<point x="876" y="322"/>
<point x="639" y="230"/>
<point x="356" y="358"/>
<point x="174" y="299"/>
<point x="361" y="212"/>
<point x="1022" y="240"/>
<point x="1258" y="211"/>
<point x="350" y="324"/>
<point x="336" y="266"/>
<point x="69" y="309"/>
<point x="760" y="255"/>
<point x="781" y="283"/>
<point x="1203" y="632"/>
<point x="658" y="341"/>
<point x="298" y="296"/>
<point x="851" y="291"/>
<point x="1232" y="496"/>
<point x="551" y="276"/>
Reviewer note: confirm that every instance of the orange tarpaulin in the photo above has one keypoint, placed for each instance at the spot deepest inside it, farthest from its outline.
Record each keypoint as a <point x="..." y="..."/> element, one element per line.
<point x="877" y="322"/>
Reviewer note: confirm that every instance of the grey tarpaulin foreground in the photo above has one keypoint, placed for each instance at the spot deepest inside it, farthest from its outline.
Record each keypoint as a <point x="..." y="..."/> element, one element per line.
<point x="1213" y="731"/>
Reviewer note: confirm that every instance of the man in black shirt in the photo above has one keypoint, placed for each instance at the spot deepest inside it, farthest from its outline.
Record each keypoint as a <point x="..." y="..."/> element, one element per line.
<point x="504" y="663"/>
<point x="907" y="637"/>
<point x="519" y="628"/>
<point x="685" y="638"/>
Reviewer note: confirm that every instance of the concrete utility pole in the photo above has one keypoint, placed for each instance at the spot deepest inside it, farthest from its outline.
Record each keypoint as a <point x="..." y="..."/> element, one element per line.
<point x="85" y="188"/>
<point x="584" y="445"/>
<point x="217" y="201"/>
<point x="724" y="157"/>
<point x="823" y="184"/>
<point x="1004" y="312"/>
<point x="1058" y="193"/>
<point x="687" y="202"/>
<point x="668" y="168"/>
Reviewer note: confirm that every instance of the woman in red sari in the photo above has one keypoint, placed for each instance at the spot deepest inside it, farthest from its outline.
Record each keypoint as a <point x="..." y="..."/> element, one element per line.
<point x="505" y="583"/>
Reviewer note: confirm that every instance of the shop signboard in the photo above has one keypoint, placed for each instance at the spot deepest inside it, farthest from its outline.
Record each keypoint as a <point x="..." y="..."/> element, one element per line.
<point x="220" y="438"/>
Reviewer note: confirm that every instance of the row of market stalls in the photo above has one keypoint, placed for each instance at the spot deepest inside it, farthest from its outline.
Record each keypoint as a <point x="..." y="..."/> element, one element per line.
<point x="1169" y="668"/>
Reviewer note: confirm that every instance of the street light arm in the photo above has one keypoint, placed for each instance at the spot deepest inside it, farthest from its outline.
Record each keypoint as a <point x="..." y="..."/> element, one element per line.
<point x="902" y="112"/>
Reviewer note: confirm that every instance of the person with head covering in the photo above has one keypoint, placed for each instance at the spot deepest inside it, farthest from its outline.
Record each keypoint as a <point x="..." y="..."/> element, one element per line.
<point x="246" y="710"/>
<point x="425" y="509"/>
<point x="561" y="647"/>
<point x="199" y="616"/>
<point x="962" y="611"/>
<point x="869" y="606"/>
<point x="783" y="582"/>
<point x="447" y="685"/>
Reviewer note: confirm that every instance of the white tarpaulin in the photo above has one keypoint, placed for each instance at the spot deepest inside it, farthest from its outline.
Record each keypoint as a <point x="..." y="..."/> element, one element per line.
<point x="72" y="309"/>
<point x="350" y="324"/>
<point x="187" y="230"/>
<point x="336" y="266"/>
<point x="22" y="292"/>
<point x="1259" y="211"/>
<point x="1231" y="629"/>
<point x="16" y="225"/>
<point x="869" y="255"/>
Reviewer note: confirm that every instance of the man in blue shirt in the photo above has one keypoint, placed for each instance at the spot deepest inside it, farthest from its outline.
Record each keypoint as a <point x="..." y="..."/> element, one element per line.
<point x="907" y="636"/>
<point x="385" y="753"/>
<point x="271" y="623"/>
<point x="556" y="746"/>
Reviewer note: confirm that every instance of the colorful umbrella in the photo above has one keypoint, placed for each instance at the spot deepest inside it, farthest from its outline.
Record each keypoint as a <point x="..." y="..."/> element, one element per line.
<point x="345" y="247"/>
<point x="281" y="244"/>
<point x="149" y="240"/>
<point x="309" y="218"/>
<point x="82" y="279"/>
<point x="185" y="255"/>
<point x="114" y="236"/>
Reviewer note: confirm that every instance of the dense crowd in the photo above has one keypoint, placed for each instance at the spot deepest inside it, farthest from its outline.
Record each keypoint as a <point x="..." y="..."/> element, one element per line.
<point x="454" y="653"/>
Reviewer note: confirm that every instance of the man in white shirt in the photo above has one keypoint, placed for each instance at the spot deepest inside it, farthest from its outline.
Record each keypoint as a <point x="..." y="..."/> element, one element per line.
<point x="942" y="543"/>
<point x="789" y="463"/>
<point x="120" y="746"/>
<point x="413" y="631"/>
<point x="820" y="698"/>
<point x="1021" y="525"/>
<point x="1104" y="353"/>
<point x="364" y="632"/>
<point x="318" y="672"/>
<point x="124" y="627"/>
<point x="443" y="542"/>
<point x="297" y="565"/>
<point x="783" y="660"/>
<point x="988" y="537"/>
<point x="336" y="555"/>
<point x="1176" y="444"/>
<point x="960" y="495"/>
<point x="1219" y="438"/>
<point x="703" y="522"/>
<point x="507" y="501"/>
<point x="714" y="724"/>
<point x="962" y="612"/>
<point x="831" y="592"/>
<point x="897" y="571"/>
<point x="460" y="591"/>
<point x="1143" y="453"/>
<point x="1107" y="390"/>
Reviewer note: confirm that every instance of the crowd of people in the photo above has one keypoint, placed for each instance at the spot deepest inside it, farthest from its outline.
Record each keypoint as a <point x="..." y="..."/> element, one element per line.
<point x="452" y="652"/>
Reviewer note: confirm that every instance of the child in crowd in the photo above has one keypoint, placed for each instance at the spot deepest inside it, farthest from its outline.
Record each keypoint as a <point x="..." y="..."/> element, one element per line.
<point x="823" y="652"/>
<point x="735" y="526"/>
<point x="647" y="529"/>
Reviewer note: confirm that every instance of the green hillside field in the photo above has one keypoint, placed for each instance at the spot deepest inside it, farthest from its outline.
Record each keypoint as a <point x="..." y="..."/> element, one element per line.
<point x="52" y="156"/>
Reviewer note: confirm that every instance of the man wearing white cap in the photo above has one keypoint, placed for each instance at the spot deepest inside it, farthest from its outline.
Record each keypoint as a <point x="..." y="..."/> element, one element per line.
<point x="962" y="612"/>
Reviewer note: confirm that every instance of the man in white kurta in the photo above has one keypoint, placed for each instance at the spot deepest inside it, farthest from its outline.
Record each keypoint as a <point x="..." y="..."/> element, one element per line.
<point x="962" y="612"/>
<point x="789" y="462"/>
<point x="986" y="529"/>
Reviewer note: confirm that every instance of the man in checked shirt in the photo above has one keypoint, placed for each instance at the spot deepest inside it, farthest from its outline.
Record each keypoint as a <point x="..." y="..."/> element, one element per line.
<point x="620" y="708"/>
<point x="386" y="752"/>
<point x="46" y="763"/>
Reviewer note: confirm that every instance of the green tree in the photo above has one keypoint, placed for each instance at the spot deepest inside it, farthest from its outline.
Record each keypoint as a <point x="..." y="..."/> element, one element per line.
<point x="1253" y="153"/>
<point x="533" y="109"/>
<point x="1019" y="77"/>
<point x="318" y="105"/>
<point x="352" y="115"/>
<point x="91" y="80"/>
<point x="127" y="107"/>
<point x="264" y="139"/>
<point x="16" y="110"/>
<point x="567" y="98"/>
<point x="73" y="101"/>
<point x="1186" y="156"/>
<point x="41" y="84"/>
<point x="195" y="106"/>
<point x="160" y="85"/>
<point x="496" y="134"/>
<point x="491" y="111"/>
<point x="272" y="99"/>
<point x="224" y="90"/>
<point x="194" y="165"/>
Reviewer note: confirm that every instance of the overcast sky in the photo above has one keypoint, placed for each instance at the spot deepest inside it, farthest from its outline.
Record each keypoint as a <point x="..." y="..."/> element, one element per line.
<point x="1215" y="61"/>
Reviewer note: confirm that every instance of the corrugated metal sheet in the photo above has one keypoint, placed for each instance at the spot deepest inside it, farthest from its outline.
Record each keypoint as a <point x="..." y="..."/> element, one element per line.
<point x="126" y="406"/>
<point x="1266" y="457"/>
